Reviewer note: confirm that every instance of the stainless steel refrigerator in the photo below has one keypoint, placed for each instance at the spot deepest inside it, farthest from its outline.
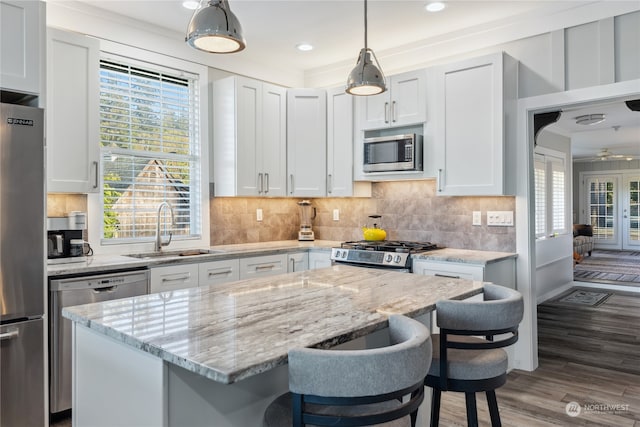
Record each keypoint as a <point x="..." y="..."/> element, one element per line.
<point x="22" y="264"/>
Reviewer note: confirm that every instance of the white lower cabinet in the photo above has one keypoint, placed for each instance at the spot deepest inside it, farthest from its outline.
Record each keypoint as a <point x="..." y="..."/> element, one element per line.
<point x="260" y="266"/>
<point x="297" y="262"/>
<point x="218" y="272"/>
<point x="173" y="277"/>
<point x="501" y="272"/>
<point x="319" y="260"/>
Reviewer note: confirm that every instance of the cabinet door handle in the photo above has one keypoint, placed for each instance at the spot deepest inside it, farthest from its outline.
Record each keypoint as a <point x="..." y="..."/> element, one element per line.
<point x="446" y="275"/>
<point x="386" y="112"/>
<point x="394" y="112"/>
<point x="95" y="182"/>
<point x="265" y="267"/>
<point x="439" y="179"/>
<point x="266" y="178"/>
<point x="182" y="278"/>
<point x="260" y="183"/>
<point x="293" y="265"/>
<point x="291" y="182"/>
<point x="9" y="335"/>
<point x="330" y="184"/>
<point x="220" y="273"/>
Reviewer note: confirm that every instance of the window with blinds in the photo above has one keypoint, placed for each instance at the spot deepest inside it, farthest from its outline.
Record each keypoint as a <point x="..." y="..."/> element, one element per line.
<point x="550" y="189"/>
<point x="149" y="151"/>
<point x="540" y="189"/>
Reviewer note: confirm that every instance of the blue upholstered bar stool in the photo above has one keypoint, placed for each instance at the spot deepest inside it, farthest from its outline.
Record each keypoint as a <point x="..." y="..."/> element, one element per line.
<point x="380" y="386"/>
<point x="462" y="361"/>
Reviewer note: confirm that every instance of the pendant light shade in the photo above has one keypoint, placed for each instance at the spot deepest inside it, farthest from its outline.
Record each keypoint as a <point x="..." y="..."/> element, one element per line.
<point x="367" y="77"/>
<point x="214" y="28"/>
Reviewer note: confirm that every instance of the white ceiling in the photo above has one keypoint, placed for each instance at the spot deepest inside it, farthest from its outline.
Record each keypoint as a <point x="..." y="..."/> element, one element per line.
<point x="619" y="132"/>
<point x="336" y="29"/>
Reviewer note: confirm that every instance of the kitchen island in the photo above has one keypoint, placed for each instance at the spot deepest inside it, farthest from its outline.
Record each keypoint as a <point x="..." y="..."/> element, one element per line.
<point x="217" y="355"/>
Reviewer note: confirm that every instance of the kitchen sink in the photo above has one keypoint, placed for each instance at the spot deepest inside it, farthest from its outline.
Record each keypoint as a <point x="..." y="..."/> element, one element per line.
<point x="180" y="253"/>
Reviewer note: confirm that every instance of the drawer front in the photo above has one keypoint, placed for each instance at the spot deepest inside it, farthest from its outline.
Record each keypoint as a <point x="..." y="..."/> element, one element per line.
<point x="218" y="272"/>
<point x="175" y="277"/>
<point x="263" y="266"/>
<point x="449" y="269"/>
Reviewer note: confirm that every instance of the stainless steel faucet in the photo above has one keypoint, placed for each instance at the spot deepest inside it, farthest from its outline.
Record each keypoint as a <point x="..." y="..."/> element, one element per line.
<point x="159" y="242"/>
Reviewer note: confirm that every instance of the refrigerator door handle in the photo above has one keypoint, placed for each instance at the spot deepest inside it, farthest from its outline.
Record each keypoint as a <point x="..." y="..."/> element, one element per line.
<point x="9" y="335"/>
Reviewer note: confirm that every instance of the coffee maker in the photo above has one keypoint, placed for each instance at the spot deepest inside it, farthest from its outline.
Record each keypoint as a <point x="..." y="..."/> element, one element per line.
<point x="307" y="213"/>
<point x="65" y="238"/>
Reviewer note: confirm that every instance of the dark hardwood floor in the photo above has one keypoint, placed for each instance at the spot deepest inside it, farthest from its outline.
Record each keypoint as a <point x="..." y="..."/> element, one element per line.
<point x="588" y="355"/>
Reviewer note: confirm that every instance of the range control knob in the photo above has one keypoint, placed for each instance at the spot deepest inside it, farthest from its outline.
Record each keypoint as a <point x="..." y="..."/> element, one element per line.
<point x="344" y="254"/>
<point x="397" y="259"/>
<point x="389" y="258"/>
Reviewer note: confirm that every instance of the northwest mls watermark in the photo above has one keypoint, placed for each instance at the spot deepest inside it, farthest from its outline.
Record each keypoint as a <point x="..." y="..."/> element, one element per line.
<point x="574" y="409"/>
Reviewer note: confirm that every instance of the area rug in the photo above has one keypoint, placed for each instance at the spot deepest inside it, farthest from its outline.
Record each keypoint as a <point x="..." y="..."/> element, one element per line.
<point x="605" y="266"/>
<point x="585" y="298"/>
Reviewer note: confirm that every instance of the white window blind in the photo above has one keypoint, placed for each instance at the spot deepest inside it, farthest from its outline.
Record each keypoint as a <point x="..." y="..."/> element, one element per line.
<point x="550" y="187"/>
<point x="150" y="150"/>
<point x="540" y="186"/>
<point x="559" y="195"/>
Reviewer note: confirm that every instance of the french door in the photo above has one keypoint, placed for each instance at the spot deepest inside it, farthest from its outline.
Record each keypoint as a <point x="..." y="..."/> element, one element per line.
<point x="602" y="209"/>
<point x="613" y="209"/>
<point x="631" y="213"/>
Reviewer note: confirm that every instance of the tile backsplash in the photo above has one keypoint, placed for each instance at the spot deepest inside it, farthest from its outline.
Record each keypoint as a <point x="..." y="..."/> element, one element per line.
<point x="410" y="211"/>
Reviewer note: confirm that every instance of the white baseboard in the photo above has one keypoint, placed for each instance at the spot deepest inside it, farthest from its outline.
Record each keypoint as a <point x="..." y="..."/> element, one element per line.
<point x="554" y="292"/>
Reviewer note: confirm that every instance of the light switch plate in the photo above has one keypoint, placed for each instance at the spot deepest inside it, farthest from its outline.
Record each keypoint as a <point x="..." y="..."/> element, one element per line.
<point x="336" y="215"/>
<point x="477" y="218"/>
<point x="500" y="218"/>
<point x="258" y="214"/>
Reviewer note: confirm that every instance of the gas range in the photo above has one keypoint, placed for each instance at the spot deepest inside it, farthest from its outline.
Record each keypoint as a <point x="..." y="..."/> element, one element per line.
<point x="380" y="254"/>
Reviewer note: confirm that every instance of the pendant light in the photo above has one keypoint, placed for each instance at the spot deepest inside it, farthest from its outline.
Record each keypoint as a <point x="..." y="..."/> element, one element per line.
<point x="366" y="78"/>
<point x="214" y="28"/>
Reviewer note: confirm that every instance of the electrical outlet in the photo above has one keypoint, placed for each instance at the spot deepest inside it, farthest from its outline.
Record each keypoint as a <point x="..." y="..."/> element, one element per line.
<point x="336" y="215"/>
<point x="258" y="214"/>
<point x="477" y="218"/>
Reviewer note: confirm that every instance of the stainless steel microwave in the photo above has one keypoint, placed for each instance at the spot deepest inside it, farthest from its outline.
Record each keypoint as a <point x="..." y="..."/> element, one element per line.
<point x="393" y="153"/>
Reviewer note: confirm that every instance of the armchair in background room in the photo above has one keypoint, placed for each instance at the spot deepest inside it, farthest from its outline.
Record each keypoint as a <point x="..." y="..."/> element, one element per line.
<point x="582" y="239"/>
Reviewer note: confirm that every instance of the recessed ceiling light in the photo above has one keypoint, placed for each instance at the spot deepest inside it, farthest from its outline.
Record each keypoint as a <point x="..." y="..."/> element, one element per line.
<point x="435" y="6"/>
<point x="191" y="4"/>
<point x="304" y="47"/>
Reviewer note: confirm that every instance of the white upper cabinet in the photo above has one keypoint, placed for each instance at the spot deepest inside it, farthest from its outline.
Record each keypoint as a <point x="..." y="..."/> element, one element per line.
<point x="404" y="102"/>
<point x="307" y="142"/>
<point x="474" y="122"/>
<point x="249" y="138"/>
<point x="22" y="27"/>
<point x="72" y="112"/>
<point x="340" y="134"/>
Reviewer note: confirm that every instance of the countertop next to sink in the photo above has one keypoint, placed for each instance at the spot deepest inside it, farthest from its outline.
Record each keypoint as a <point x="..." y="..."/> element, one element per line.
<point x="102" y="263"/>
<point x="234" y="331"/>
<point x="464" y="256"/>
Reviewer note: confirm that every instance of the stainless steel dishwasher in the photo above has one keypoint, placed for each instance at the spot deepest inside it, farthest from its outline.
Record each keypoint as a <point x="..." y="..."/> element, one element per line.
<point x="69" y="291"/>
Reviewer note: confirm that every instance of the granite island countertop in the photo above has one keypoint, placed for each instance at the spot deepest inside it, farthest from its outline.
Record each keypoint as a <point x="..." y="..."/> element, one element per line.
<point x="231" y="332"/>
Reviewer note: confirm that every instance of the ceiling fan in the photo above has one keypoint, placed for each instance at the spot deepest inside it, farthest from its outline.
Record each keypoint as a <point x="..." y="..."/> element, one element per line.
<point x="605" y="154"/>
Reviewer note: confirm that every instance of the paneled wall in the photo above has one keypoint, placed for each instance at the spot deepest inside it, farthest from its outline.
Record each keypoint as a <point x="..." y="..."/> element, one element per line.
<point x="410" y="211"/>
